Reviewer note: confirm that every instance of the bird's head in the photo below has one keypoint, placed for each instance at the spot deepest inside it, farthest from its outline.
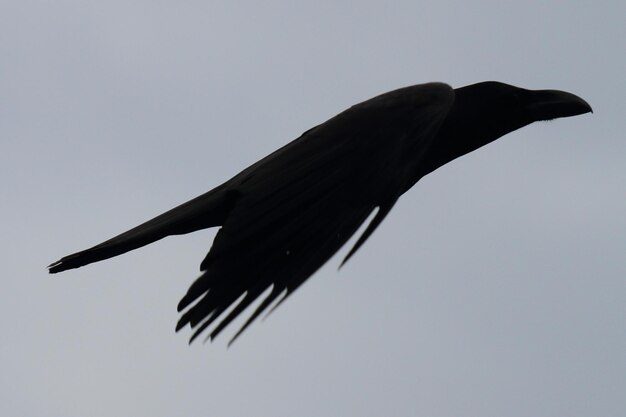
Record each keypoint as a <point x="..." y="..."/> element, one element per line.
<point x="491" y="109"/>
<point x="483" y="112"/>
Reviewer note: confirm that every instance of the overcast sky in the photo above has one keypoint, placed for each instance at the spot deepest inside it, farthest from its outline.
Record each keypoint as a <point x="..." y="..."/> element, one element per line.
<point x="496" y="286"/>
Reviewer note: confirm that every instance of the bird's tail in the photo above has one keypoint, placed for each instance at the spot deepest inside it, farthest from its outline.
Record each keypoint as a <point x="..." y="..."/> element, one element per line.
<point x="207" y="210"/>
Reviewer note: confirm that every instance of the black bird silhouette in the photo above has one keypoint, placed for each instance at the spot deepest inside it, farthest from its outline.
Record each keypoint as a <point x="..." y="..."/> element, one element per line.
<point x="286" y="215"/>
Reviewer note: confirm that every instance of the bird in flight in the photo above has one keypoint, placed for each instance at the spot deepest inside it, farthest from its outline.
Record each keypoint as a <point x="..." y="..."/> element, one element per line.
<point x="283" y="217"/>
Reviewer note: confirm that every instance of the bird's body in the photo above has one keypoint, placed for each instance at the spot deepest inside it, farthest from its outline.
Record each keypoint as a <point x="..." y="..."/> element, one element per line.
<point x="287" y="214"/>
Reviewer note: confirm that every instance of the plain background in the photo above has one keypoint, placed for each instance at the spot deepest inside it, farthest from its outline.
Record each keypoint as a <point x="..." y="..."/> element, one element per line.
<point x="496" y="287"/>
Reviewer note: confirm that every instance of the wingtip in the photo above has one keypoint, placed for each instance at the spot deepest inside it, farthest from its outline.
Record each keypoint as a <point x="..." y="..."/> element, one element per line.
<point x="348" y="256"/>
<point x="231" y="341"/>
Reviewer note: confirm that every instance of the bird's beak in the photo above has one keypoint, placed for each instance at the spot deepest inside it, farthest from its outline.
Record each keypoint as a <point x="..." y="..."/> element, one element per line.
<point x="552" y="104"/>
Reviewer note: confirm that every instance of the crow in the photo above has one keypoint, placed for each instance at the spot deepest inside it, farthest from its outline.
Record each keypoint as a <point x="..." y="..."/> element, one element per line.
<point x="283" y="217"/>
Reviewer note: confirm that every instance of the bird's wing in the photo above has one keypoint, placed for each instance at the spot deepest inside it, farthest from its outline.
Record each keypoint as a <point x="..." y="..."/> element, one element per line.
<point x="298" y="206"/>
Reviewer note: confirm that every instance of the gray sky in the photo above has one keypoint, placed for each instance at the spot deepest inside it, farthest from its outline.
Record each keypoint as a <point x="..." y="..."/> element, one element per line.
<point x="499" y="281"/>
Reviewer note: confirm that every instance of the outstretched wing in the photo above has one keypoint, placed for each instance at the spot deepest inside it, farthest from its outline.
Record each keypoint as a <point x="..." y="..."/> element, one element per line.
<point x="299" y="205"/>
